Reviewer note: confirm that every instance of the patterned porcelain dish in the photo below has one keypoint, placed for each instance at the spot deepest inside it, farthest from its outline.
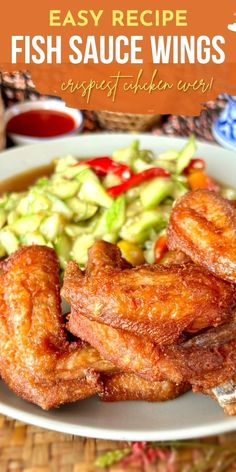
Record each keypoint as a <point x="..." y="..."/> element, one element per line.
<point x="189" y="416"/>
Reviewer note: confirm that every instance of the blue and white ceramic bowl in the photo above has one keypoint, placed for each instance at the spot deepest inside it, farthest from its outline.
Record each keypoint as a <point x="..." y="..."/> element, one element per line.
<point x="224" y="129"/>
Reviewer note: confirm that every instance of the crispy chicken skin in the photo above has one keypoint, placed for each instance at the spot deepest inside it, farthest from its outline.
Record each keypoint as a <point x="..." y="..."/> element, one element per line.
<point x="36" y="359"/>
<point x="203" y="361"/>
<point x="203" y="225"/>
<point x="159" y="302"/>
<point x="121" y="386"/>
<point x="130" y="353"/>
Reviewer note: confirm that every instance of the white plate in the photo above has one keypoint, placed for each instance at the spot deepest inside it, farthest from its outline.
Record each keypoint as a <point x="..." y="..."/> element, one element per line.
<point x="186" y="417"/>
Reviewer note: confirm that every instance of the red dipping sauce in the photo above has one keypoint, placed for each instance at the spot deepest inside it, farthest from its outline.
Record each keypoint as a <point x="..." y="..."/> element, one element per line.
<point x="41" y="123"/>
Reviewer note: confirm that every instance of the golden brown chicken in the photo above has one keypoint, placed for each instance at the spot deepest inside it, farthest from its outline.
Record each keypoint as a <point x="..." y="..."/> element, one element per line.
<point x="121" y="386"/>
<point x="36" y="360"/>
<point x="203" y="225"/>
<point x="129" y="352"/>
<point x="203" y="361"/>
<point x="158" y="302"/>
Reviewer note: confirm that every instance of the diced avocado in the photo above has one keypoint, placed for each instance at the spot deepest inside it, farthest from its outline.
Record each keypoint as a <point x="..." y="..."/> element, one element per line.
<point x="155" y="191"/>
<point x="185" y="155"/>
<point x="80" y="248"/>
<point x="52" y="226"/>
<point x="8" y="240"/>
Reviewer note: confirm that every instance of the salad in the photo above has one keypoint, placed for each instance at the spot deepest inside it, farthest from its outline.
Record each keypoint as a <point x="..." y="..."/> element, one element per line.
<point x="125" y="199"/>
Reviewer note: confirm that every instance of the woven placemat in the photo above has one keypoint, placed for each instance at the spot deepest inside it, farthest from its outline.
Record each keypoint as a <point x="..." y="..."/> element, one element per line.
<point x="25" y="448"/>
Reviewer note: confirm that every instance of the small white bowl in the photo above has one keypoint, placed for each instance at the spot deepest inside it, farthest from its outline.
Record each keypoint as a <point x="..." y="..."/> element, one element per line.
<point x="45" y="104"/>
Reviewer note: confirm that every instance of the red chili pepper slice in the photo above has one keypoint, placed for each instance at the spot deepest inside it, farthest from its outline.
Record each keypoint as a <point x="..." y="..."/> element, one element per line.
<point x="137" y="179"/>
<point x="105" y="165"/>
<point x="195" y="164"/>
<point x="160" y="248"/>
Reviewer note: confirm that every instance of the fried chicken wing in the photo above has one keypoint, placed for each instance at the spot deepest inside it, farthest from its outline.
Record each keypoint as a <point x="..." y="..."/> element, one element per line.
<point x="203" y="225"/>
<point x="203" y="361"/>
<point x="36" y="359"/>
<point x="121" y="386"/>
<point x="130" y="353"/>
<point x="158" y="302"/>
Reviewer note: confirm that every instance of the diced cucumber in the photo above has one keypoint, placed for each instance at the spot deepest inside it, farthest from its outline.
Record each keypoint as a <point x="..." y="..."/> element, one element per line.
<point x="111" y="237"/>
<point x="64" y="188"/>
<point x="63" y="247"/>
<point x="12" y="217"/>
<point x="139" y="165"/>
<point x="155" y="191"/>
<point x="128" y="154"/>
<point x="170" y="155"/>
<point x="100" y="228"/>
<point x="52" y="226"/>
<point x="134" y="208"/>
<point x="167" y="165"/>
<point x="110" y="180"/>
<point x="3" y="200"/>
<point x="149" y="253"/>
<point x="93" y="192"/>
<point x="74" y="230"/>
<point x="34" y="202"/>
<point x="179" y="189"/>
<point x="8" y="240"/>
<point x="3" y="217"/>
<point x="35" y="237"/>
<point x="58" y="206"/>
<point x="186" y="155"/>
<point x="80" y="248"/>
<point x="63" y="163"/>
<point x="81" y="210"/>
<point x="13" y="200"/>
<point x="2" y="251"/>
<point x="42" y="182"/>
<point x="115" y="217"/>
<point x="132" y="194"/>
<point x="27" y="224"/>
<point x="136" y="229"/>
<point x="84" y="174"/>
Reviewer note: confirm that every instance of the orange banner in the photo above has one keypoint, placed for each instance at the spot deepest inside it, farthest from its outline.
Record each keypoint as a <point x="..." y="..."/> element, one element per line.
<point x="151" y="58"/>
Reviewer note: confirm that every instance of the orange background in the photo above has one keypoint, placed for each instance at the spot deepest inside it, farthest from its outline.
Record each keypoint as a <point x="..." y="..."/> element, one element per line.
<point x="204" y="17"/>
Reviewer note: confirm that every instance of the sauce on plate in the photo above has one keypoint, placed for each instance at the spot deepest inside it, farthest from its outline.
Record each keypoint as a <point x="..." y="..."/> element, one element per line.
<point x="21" y="182"/>
<point x="41" y="123"/>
